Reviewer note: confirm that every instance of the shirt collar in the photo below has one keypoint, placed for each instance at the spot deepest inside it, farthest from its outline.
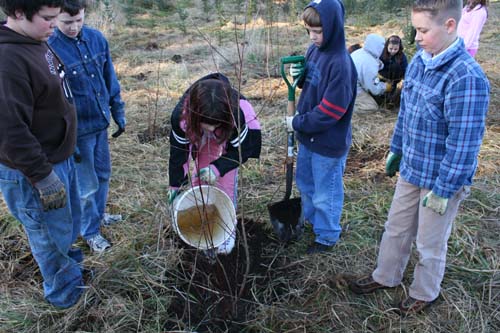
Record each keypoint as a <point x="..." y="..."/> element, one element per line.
<point x="433" y="61"/>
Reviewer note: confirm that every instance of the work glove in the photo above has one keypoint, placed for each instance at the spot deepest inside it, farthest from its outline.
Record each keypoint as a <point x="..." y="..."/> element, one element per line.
<point x="172" y="194"/>
<point x="289" y="126"/>
<point x="435" y="202"/>
<point x="207" y="175"/>
<point x="392" y="164"/>
<point x="121" y="128"/>
<point x="52" y="192"/>
<point x="388" y="87"/>
<point x="296" y="70"/>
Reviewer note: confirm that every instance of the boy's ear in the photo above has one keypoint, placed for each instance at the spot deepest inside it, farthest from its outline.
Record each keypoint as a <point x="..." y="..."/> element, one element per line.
<point x="451" y="25"/>
<point x="19" y="14"/>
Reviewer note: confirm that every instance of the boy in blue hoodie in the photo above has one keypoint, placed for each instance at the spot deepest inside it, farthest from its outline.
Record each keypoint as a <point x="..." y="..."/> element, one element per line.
<point x="323" y="121"/>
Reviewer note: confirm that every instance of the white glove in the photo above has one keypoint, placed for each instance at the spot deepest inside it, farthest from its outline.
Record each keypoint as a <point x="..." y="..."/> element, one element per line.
<point x="435" y="202"/>
<point x="208" y="176"/>
<point x="289" y="126"/>
<point x="296" y="70"/>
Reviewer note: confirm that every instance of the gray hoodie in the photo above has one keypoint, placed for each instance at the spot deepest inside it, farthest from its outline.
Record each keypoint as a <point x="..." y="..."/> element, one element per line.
<point x="368" y="64"/>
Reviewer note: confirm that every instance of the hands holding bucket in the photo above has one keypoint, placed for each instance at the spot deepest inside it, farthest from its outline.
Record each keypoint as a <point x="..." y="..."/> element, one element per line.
<point x="208" y="176"/>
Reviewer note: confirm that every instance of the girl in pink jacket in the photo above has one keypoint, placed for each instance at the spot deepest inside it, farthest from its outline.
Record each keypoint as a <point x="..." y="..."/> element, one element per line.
<point x="474" y="16"/>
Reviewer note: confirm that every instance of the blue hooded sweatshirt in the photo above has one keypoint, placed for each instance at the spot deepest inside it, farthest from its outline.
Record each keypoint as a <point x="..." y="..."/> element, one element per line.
<point x="325" y="107"/>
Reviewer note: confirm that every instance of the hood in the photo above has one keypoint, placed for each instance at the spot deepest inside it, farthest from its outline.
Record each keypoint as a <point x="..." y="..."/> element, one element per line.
<point x="9" y="36"/>
<point x="374" y="44"/>
<point x="331" y="13"/>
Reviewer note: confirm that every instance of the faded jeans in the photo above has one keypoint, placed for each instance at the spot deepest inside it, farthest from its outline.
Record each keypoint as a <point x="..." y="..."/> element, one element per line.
<point x="94" y="172"/>
<point x="50" y="234"/>
<point x="409" y="221"/>
<point x="319" y="180"/>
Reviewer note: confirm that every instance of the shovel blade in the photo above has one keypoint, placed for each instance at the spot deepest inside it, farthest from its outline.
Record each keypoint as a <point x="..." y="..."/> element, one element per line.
<point x="285" y="219"/>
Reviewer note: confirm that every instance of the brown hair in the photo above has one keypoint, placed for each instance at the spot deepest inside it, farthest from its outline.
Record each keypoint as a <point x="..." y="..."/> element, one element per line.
<point x="28" y="7"/>
<point x="394" y="40"/>
<point x="211" y="102"/>
<point x="311" y="17"/>
<point x="439" y="10"/>
<point x="471" y="4"/>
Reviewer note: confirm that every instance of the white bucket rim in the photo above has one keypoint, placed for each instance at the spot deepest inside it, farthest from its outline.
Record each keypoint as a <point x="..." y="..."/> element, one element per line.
<point x="210" y="195"/>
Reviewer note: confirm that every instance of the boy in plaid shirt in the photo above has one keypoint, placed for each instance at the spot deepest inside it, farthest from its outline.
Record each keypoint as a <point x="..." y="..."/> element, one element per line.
<point x="435" y="146"/>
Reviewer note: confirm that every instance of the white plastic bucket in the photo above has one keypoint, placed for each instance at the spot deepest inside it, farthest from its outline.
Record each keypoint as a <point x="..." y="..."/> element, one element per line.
<point x="204" y="217"/>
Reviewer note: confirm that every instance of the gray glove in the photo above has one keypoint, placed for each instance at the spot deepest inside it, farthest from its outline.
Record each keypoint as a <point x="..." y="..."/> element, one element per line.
<point x="52" y="192"/>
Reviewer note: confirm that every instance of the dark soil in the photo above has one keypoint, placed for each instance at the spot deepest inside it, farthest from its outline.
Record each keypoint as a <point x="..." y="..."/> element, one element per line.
<point x="214" y="294"/>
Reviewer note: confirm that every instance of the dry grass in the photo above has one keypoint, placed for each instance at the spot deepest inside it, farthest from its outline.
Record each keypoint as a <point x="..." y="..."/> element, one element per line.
<point x="150" y="282"/>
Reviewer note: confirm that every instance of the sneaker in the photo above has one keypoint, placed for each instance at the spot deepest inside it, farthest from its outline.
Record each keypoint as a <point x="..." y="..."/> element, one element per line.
<point x="97" y="243"/>
<point x="365" y="285"/>
<point x="109" y="219"/>
<point x="318" y="248"/>
<point x="412" y="305"/>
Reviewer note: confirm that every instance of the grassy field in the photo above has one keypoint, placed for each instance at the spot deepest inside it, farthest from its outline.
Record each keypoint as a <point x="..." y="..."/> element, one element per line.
<point x="151" y="282"/>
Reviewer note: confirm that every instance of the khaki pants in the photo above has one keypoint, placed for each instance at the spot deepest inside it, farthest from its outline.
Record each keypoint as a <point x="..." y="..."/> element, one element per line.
<point x="408" y="220"/>
<point x="365" y="102"/>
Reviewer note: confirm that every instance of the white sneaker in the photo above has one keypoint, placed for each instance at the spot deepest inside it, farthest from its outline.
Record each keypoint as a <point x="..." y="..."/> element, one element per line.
<point x="109" y="219"/>
<point x="97" y="243"/>
<point x="228" y="245"/>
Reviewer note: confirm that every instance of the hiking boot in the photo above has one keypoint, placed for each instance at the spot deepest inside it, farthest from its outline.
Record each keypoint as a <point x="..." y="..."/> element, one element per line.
<point x="365" y="285"/>
<point x="97" y="243"/>
<point x="412" y="305"/>
<point x="318" y="248"/>
<point x="109" y="219"/>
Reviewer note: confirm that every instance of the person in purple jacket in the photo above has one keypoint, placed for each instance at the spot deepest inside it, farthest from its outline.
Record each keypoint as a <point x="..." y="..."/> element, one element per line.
<point x="323" y="121"/>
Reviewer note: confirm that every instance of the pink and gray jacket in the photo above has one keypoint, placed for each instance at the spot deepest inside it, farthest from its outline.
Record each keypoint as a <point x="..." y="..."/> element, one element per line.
<point x="246" y="136"/>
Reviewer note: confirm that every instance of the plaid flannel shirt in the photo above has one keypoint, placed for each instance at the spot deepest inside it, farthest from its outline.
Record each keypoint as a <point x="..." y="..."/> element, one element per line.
<point x="441" y="122"/>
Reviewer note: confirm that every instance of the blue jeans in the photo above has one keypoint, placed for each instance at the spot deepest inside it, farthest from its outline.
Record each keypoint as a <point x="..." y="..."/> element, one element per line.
<point x="319" y="180"/>
<point x="50" y="234"/>
<point x="94" y="172"/>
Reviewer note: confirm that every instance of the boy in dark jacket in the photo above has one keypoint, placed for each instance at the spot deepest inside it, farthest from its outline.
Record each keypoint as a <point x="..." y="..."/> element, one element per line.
<point x="37" y="140"/>
<point x="323" y="121"/>
<point x="96" y="91"/>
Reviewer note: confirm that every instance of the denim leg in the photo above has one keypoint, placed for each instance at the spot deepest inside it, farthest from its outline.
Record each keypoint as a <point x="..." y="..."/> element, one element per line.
<point x="305" y="182"/>
<point x="50" y="234"/>
<point x="102" y="164"/>
<point x="93" y="190"/>
<point x="328" y="198"/>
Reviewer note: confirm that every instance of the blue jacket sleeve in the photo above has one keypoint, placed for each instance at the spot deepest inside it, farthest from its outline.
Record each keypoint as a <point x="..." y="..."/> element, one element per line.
<point x="466" y="106"/>
<point x="116" y="103"/>
<point x="328" y="112"/>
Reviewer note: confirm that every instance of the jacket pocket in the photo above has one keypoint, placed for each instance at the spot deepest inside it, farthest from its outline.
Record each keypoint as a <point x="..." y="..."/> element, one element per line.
<point x="78" y="80"/>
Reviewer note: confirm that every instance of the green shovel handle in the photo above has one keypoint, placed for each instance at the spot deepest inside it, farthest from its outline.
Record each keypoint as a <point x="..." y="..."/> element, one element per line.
<point x="293" y="85"/>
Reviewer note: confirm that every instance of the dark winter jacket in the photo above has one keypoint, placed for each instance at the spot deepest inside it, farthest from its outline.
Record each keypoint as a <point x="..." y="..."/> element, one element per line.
<point x="37" y="120"/>
<point x="326" y="103"/>
<point x="394" y="69"/>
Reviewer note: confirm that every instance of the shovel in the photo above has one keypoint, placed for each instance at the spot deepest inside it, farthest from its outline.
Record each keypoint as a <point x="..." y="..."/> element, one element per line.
<point x="285" y="215"/>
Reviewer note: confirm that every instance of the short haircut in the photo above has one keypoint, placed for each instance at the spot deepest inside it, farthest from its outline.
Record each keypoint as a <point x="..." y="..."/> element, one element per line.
<point x="439" y="10"/>
<point x="311" y="17"/>
<point x="28" y="7"/>
<point x="72" y="7"/>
